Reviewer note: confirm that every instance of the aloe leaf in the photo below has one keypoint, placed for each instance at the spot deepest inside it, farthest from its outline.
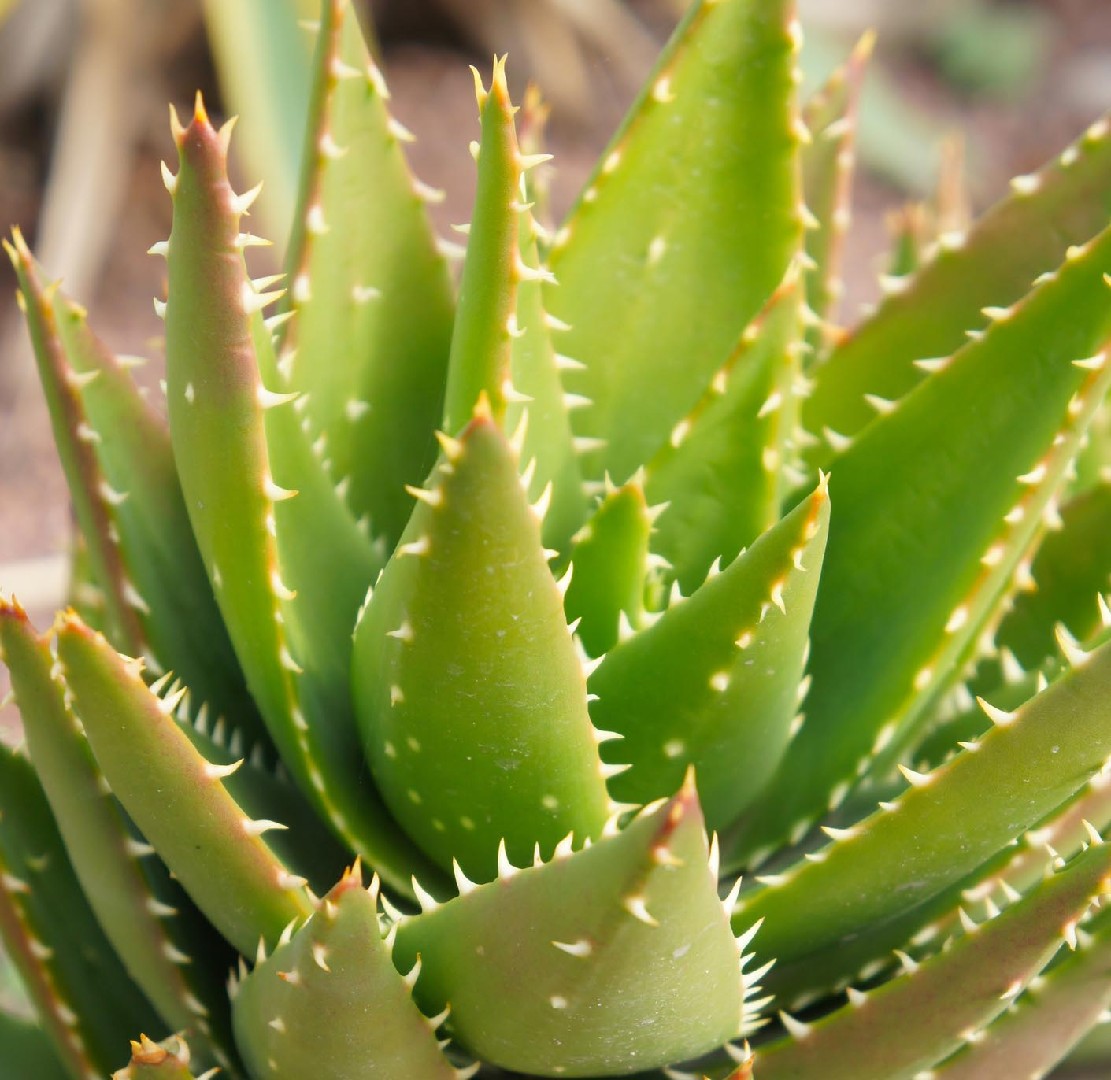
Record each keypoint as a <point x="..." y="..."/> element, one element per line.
<point x="1071" y="566"/>
<point x="497" y="745"/>
<point x="127" y="499"/>
<point x="334" y="974"/>
<point x="608" y="568"/>
<point x="698" y="185"/>
<point x="827" y="167"/>
<point x="721" y="473"/>
<point x="178" y="799"/>
<point x="958" y="990"/>
<point x="540" y="409"/>
<point x="894" y="601"/>
<point x="213" y="392"/>
<point x="1037" y="853"/>
<point x="1048" y="1020"/>
<point x="532" y="124"/>
<point x="27" y="1050"/>
<point x="169" y="952"/>
<point x="154" y="1061"/>
<point x="370" y="294"/>
<point x="1091" y="469"/>
<point x="270" y="84"/>
<point x="53" y="938"/>
<point x="825" y="918"/>
<point x="714" y="683"/>
<point x="614" y="939"/>
<point x="272" y="517"/>
<point x="310" y="850"/>
<point x="479" y="365"/>
<point x="927" y="316"/>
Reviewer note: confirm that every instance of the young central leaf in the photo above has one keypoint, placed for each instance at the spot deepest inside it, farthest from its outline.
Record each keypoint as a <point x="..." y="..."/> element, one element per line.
<point x="468" y="687"/>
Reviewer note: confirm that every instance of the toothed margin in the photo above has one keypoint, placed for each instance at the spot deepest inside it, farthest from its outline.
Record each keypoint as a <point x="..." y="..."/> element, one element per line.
<point x="102" y="500"/>
<point x="1005" y="564"/>
<point x="53" y="1011"/>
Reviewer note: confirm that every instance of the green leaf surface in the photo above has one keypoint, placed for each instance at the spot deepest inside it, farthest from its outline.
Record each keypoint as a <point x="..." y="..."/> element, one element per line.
<point x="1091" y="463"/>
<point x="177" y="798"/>
<point x="269" y="83"/>
<point x="609" y="569"/>
<point x="549" y="450"/>
<point x="213" y="395"/>
<point x="824" y="919"/>
<point x="53" y="938"/>
<point x="129" y="506"/>
<point x="328" y="1002"/>
<point x="928" y="535"/>
<point x="26" y="1050"/>
<point x="827" y="162"/>
<point x="722" y="472"/>
<point x="1072" y="565"/>
<point x="371" y="295"/>
<point x="613" y="957"/>
<point x="169" y="951"/>
<point x="273" y="515"/>
<point x="1043" y="1025"/>
<point x="958" y="990"/>
<point x="479" y="365"/>
<point x="714" y="683"/>
<point x="310" y="850"/>
<point x="497" y="744"/>
<point x="699" y="185"/>
<point x="928" y="315"/>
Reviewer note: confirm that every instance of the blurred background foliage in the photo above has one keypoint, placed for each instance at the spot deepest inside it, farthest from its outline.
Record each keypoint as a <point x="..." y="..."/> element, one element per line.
<point x="97" y="70"/>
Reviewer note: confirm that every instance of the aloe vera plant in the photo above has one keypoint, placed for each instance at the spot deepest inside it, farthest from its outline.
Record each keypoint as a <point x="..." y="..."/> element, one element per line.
<point x="603" y="667"/>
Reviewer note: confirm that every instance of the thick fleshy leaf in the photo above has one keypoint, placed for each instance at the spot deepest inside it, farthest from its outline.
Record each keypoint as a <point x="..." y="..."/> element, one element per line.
<point x="177" y="798"/>
<point x="126" y="496"/>
<point x="714" y="683"/>
<point x="609" y="569"/>
<point x="1072" y="565"/>
<point x="494" y="744"/>
<point x="53" y="938"/>
<point x="368" y="344"/>
<point x="549" y="450"/>
<point x="954" y="992"/>
<point x="480" y="345"/>
<point x="168" y="950"/>
<point x="1043" y="1025"/>
<point x="699" y="185"/>
<point x="607" y="959"/>
<point x="288" y="564"/>
<point x="269" y="84"/>
<point x="328" y="1002"/>
<point x="825" y="918"/>
<point x="903" y="602"/>
<point x="723" y="473"/>
<point x="827" y="168"/>
<point x="26" y="1050"/>
<point x="928" y="315"/>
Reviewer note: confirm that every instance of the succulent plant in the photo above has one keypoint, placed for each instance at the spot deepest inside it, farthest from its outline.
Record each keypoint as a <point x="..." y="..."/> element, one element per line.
<point x="605" y="667"/>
